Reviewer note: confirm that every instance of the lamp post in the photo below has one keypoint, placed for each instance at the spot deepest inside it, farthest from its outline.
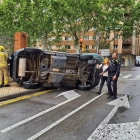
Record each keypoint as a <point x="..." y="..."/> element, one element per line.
<point x="98" y="42"/>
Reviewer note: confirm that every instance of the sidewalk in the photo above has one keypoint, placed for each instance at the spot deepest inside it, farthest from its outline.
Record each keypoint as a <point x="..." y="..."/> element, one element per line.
<point x="15" y="90"/>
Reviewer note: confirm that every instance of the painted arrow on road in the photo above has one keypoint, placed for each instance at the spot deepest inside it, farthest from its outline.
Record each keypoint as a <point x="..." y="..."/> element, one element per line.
<point x="70" y="95"/>
<point x="102" y="132"/>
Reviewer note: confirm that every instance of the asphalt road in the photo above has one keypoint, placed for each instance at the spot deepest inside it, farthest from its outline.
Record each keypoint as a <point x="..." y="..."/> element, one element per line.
<point x="74" y="115"/>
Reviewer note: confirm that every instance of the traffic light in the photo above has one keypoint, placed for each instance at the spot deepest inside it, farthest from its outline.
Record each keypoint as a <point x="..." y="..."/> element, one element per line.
<point x="81" y="43"/>
<point x="82" y="46"/>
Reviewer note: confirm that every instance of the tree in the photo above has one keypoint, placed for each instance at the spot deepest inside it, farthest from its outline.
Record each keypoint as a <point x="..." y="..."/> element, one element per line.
<point x="73" y="18"/>
<point x="32" y="17"/>
<point x="112" y="19"/>
<point x="135" y="17"/>
<point x="44" y="19"/>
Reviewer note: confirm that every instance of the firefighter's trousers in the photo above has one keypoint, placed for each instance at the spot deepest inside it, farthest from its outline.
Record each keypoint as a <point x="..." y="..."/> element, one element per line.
<point x="4" y="79"/>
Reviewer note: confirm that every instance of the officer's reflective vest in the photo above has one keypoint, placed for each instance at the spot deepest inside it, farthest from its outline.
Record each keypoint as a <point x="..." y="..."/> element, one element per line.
<point x="3" y="58"/>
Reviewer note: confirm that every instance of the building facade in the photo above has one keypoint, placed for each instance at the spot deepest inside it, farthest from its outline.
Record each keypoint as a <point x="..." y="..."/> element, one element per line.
<point x="126" y="49"/>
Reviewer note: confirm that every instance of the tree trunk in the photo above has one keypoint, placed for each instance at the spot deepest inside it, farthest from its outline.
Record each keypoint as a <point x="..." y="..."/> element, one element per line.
<point x="76" y="43"/>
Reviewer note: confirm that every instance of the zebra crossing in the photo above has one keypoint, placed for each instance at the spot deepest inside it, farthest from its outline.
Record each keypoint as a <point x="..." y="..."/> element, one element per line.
<point x="130" y="76"/>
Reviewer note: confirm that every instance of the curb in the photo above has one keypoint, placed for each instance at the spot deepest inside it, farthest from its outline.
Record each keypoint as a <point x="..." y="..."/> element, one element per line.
<point x="18" y="94"/>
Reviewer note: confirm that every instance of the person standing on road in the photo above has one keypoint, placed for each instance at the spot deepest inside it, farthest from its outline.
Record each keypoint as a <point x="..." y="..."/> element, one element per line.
<point x="104" y="77"/>
<point x="4" y="79"/>
<point x="113" y="74"/>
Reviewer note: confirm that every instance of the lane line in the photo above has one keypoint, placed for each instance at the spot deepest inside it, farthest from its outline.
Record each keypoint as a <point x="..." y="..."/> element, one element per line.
<point x="137" y="77"/>
<point x="37" y="115"/>
<point x="62" y="119"/>
<point x="127" y="76"/>
<point x="23" y="97"/>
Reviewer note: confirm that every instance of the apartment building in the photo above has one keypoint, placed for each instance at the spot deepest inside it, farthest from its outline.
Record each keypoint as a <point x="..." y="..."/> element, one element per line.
<point x="126" y="49"/>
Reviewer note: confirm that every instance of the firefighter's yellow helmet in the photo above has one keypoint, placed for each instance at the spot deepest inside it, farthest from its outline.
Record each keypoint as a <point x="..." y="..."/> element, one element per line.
<point x="2" y="49"/>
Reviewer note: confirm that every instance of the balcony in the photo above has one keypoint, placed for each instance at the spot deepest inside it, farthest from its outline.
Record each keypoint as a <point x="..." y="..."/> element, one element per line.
<point x="115" y="50"/>
<point x="127" y="41"/>
<point x="127" y="51"/>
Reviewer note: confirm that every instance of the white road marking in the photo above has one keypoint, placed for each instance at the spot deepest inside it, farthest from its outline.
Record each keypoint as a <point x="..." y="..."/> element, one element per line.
<point x="71" y="97"/>
<point x="137" y="77"/>
<point x="62" y="119"/>
<point x="69" y="94"/>
<point x="127" y="76"/>
<point x="99" y="133"/>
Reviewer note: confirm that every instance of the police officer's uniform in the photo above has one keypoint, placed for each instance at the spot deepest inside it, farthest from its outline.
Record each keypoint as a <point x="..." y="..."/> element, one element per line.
<point x="113" y="69"/>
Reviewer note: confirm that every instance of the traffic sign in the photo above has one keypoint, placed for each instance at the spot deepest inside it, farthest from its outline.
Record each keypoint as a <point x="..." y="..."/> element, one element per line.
<point x="104" y="52"/>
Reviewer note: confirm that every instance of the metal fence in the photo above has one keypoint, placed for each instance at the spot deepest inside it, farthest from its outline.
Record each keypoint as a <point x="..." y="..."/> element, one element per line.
<point x="8" y="43"/>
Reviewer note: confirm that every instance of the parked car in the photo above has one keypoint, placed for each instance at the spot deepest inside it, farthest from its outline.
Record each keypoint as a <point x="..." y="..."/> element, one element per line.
<point x="32" y="68"/>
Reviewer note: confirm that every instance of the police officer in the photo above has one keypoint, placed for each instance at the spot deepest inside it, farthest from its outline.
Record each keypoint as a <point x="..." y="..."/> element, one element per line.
<point x="3" y="68"/>
<point x="113" y="74"/>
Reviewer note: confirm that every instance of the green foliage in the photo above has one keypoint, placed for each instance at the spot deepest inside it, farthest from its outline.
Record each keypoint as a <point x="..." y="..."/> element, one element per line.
<point x="86" y="51"/>
<point x="104" y="45"/>
<point x="44" y="19"/>
<point x="62" y="49"/>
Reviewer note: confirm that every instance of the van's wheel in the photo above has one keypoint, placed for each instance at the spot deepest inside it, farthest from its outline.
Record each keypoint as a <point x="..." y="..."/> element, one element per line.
<point x="96" y="77"/>
<point x="84" y="87"/>
<point x="29" y="85"/>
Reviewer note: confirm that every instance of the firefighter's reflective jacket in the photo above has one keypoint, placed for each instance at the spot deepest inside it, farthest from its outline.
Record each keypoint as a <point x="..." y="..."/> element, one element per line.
<point x="3" y="59"/>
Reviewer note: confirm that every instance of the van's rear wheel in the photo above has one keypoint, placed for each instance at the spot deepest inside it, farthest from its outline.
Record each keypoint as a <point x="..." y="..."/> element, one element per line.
<point x="84" y="87"/>
<point x="29" y="85"/>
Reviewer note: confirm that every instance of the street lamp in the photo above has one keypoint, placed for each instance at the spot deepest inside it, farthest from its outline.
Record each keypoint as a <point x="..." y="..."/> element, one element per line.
<point x="98" y="40"/>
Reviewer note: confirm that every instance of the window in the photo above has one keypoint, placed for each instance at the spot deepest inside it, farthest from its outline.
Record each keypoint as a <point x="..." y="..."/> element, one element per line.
<point x="108" y="37"/>
<point x="86" y="37"/>
<point x="67" y="38"/>
<point x="115" y="46"/>
<point x="93" y="47"/>
<point x="116" y="37"/>
<point x="87" y="47"/>
<point x="67" y="47"/>
<point x="94" y="37"/>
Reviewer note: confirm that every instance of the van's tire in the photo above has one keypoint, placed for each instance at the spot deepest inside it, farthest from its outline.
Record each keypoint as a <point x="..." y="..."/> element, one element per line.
<point x="97" y="77"/>
<point x="32" y="50"/>
<point x="28" y="85"/>
<point x="84" y="87"/>
<point x="86" y="57"/>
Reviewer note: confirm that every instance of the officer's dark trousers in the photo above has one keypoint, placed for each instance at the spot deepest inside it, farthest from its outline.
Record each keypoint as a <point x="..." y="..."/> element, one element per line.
<point x="103" y="79"/>
<point x="114" y="84"/>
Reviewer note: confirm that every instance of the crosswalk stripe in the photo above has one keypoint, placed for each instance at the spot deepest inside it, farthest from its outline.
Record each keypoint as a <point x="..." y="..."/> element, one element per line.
<point x="127" y="76"/>
<point x="137" y="77"/>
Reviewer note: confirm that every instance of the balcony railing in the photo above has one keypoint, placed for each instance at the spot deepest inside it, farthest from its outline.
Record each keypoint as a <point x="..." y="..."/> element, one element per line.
<point x="115" y="50"/>
<point x="127" y="51"/>
<point x="127" y="41"/>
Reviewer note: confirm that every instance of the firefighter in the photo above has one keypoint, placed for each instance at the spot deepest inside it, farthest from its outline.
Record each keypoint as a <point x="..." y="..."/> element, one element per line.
<point x="4" y="78"/>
